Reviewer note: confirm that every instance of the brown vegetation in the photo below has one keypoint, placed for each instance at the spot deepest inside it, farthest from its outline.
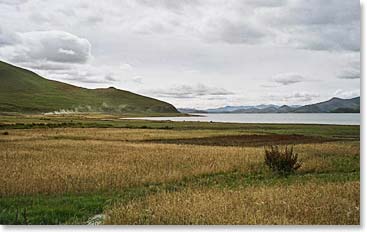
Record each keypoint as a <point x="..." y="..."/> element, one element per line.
<point x="40" y="162"/>
<point x="331" y="203"/>
<point x="252" y="140"/>
<point x="75" y="160"/>
<point x="283" y="162"/>
<point x="59" y="166"/>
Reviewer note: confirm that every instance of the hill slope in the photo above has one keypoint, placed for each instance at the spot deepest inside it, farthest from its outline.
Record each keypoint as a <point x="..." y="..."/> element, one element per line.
<point x="24" y="91"/>
<point x="333" y="105"/>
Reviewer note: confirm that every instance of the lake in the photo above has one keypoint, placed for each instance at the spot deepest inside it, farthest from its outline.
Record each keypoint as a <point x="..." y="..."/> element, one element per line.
<point x="289" y="118"/>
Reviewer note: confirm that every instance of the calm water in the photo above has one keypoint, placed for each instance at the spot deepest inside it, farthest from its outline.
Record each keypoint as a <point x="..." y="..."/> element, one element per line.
<point x="339" y="119"/>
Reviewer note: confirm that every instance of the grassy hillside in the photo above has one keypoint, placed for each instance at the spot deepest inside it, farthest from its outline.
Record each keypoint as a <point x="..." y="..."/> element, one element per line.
<point x="335" y="104"/>
<point x="24" y="91"/>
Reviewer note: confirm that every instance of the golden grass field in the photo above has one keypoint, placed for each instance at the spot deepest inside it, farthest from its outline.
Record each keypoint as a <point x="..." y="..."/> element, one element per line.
<point x="310" y="203"/>
<point x="193" y="184"/>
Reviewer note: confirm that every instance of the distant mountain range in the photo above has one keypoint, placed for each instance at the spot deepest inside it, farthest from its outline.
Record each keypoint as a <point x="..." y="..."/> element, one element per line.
<point x="334" y="105"/>
<point x="24" y="91"/>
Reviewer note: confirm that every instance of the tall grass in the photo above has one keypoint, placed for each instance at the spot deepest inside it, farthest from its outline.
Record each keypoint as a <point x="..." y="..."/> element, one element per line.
<point x="311" y="203"/>
<point x="82" y="166"/>
<point x="52" y="161"/>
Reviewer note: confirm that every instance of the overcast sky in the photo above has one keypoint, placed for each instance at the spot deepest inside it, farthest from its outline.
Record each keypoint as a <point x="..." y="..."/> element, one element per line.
<point x="191" y="53"/>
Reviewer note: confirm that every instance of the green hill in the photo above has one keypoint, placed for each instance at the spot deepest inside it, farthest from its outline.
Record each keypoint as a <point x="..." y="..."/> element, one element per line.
<point x="334" y="105"/>
<point x="24" y="91"/>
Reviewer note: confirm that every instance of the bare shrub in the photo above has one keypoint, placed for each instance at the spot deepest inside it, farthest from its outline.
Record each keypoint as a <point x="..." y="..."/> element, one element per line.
<point x="282" y="161"/>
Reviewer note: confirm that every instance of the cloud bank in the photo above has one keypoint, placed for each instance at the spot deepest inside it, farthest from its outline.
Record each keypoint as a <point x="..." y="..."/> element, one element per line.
<point x="233" y="46"/>
<point x="288" y="78"/>
<point x="190" y="91"/>
<point x="49" y="46"/>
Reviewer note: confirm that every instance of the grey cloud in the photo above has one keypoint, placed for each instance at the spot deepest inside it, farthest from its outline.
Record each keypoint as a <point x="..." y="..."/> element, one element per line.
<point x="169" y="4"/>
<point x="333" y="25"/>
<point x="347" y="94"/>
<point x="137" y="80"/>
<point x="57" y="46"/>
<point x="268" y="86"/>
<point x="38" y="17"/>
<point x="327" y="38"/>
<point x="47" y="48"/>
<point x="292" y="23"/>
<point x="350" y="74"/>
<point x="93" y="19"/>
<point x="200" y="21"/>
<point x="85" y="73"/>
<point x="79" y="75"/>
<point x="88" y="18"/>
<point x="7" y="37"/>
<point x="302" y="96"/>
<point x="154" y="27"/>
<point x="352" y="69"/>
<point x="311" y="12"/>
<point x="13" y="2"/>
<point x="295" y="97"/>
<point x="266" y="3"/>
<point x="288" y="78"/>
<point x="110" y="77"/>
<point x="235" y="32"/>
<point x="83" y="80"/>
<point x="187" y="91"/>
<point x="218" y="98"/>
<point x="45" y="65"/>
<point x="253" y="39"/>
<point x="68" y="12"/>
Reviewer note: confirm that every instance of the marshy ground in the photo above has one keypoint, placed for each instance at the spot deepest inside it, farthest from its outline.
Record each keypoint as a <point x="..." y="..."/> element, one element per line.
<point x="66" y="169"/>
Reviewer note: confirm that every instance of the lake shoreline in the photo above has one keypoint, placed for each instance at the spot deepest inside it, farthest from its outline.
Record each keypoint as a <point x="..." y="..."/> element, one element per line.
<point x="266" y="118"/>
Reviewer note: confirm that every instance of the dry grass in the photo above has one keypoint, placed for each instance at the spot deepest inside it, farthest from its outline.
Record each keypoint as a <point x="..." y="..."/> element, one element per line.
<point x="48" y="161"/>
<point x="331" y="203"/>
<point x="320" y="158"/>
<point x="110" y="134"/>
<point x="40" y="162"/>
<point x="83" y="166"/>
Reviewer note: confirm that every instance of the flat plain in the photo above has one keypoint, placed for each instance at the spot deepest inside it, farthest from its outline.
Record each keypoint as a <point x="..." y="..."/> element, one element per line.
<point x="66" y="169"/>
